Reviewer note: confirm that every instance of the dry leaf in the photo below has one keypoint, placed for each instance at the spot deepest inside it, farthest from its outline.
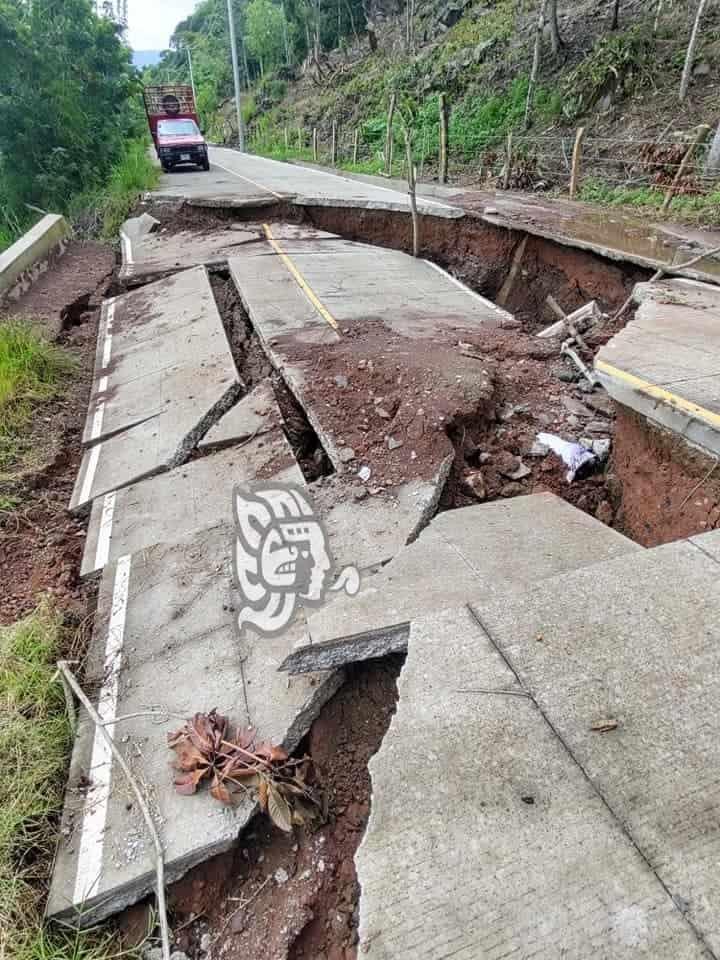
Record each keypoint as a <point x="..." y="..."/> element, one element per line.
<point x="278" y="809"/>
<point x="605" y="726"/>
<point x="263" y="795"/>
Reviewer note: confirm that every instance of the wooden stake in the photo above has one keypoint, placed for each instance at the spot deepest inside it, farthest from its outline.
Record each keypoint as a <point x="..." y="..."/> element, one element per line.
<point x="356" y="141"/>
<point x="701" y="135"/>
<point x="508" y="161"/>
<point x="315" y="144"/>
<point x="333" y="145"/>
<point x="412" y="186"/>
<point x="443" y="167"/>
<point x="389" y="136"/>
<point x="576" y="158"/>
<point x="535" y="64"/>
<point x="287" y="139"/>
<point x="299" y="138"/>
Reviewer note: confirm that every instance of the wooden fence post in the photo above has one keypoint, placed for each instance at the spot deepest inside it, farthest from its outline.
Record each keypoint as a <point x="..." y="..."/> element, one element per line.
<point x="315" y="144"/>
<point x="333" y="145"/>
<point x="356" y="141"/>
<point x="299" y="138"/>
<point x="703" y="131"/>
<point x="287" y="139"/>
<point x="508" y="161"/>
<point x="576" y="159"/>
<point x="443" y="167"/>
<point x="389" y="136"/>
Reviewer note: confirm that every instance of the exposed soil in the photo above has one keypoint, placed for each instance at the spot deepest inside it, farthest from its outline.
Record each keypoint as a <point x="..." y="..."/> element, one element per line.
<point x="302" y="887"/>
<point x="668" y="489"/>
<point x="69" y="291"/>
<point x="40" y="543"/>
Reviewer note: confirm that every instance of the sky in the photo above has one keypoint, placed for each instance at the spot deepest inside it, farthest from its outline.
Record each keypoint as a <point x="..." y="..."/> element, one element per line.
<point x="151" y="22"/>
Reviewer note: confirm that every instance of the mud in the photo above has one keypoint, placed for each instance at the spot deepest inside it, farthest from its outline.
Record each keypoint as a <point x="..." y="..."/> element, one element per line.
<point x="666" y="489"/>
<point x="293" y="897"/>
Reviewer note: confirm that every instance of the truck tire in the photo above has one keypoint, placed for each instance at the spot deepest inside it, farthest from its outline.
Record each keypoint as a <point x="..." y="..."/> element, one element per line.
<point x="166" y="167"/>
<point x="206" y="165"/>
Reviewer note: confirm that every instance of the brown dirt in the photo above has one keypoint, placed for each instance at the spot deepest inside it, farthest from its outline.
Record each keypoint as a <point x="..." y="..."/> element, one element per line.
<point x="669" y="489"/>
<point x="70" y="290"/>
<point x="40" y="543"/>
<point x="302" y="886"/>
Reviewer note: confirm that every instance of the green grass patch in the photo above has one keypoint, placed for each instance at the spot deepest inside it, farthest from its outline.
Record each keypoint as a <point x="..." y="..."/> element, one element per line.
<point x="32" y="369"/>
<point x="701" y="209"/>
<point x="35" y="741"/>
<point x="132" y="175"/>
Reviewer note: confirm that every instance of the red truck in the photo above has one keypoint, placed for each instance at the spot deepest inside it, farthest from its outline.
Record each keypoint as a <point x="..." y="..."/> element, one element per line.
<point x="173" y="120"/>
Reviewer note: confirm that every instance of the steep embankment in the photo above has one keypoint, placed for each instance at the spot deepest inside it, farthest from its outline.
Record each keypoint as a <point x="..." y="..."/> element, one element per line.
<point x="622" y="85"/>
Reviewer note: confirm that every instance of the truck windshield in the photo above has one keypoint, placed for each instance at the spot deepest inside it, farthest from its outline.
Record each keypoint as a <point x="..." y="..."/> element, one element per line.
<point x="178" y="128"/>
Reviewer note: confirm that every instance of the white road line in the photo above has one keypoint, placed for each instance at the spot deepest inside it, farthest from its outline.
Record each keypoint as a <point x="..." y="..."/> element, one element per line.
<point x="99" y="414"/>
<point x="127" y="248"/>
<point x="102" y="550"/>
<point x="89" y="477"/>
<point x="95" y="809"/>
<point x="107" y="346"/>
<point x="471" y="293"/>
<point x="278" y="196"/>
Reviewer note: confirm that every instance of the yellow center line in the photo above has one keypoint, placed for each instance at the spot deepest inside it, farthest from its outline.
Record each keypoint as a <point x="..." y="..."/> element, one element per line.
<point x="302" y="283"/>
<point x="240" y="176"/>
<point x="658" y="393"/>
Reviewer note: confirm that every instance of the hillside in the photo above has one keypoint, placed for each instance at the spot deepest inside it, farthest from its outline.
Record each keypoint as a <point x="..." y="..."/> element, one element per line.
<point x="620" y="84"/>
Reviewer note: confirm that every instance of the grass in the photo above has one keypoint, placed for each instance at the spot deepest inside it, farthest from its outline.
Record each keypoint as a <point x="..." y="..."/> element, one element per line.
<point x="132" y="175"/>
<point x="32" y="369"/>
<point x="701" y="209"/>
<point x="35" y="741"/>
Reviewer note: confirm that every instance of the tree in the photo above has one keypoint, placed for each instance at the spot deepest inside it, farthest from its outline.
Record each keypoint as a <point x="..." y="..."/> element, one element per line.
<point x="690" y="55"/>
<point x="616" y="15"/>
<point x="265" y="27"/>
<point x="555" y="38"/>
<point x="66" y="93"/>
<point x="536" y="61"/>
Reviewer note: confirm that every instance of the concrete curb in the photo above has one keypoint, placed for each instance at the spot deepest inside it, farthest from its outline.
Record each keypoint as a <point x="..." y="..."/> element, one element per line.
<point x="28" y="257"/>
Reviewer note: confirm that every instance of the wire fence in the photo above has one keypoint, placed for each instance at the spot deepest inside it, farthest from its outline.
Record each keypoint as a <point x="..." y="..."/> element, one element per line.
<point x="673" y="165"/>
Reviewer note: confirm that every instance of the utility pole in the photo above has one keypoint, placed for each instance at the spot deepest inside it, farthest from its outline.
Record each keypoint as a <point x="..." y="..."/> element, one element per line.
<point x="192" y="78"/>
<point x="236" y="75"/>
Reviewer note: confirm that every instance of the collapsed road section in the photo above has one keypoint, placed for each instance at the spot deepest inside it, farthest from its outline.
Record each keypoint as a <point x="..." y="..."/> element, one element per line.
<point x="254" y="345"/>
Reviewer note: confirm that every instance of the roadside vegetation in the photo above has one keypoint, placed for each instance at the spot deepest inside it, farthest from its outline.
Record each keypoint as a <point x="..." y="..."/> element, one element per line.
<point x="32" y="369"/>
<point x="69" y="104"/>
<point x="626" y="72"/>
<point x="35" y="741"/>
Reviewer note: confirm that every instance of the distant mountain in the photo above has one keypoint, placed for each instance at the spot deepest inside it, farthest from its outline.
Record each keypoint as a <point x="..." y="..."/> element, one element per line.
<point x="146" y="58"/>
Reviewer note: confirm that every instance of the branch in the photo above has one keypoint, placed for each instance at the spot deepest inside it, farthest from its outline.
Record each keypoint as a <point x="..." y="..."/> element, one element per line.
<point x="68" y="676"/>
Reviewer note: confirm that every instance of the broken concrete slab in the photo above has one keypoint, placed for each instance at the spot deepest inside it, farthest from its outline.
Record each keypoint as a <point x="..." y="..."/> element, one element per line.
<point x="476" y="550"/>
<point x="664" y="363"/>
<point x="492" y="842"/>
<point x="151" y="252"/>
<point x="165" y="646"/>
<point x="709" y="543"/>
<point x="187" y="499"/>
<point x="161" y="346"/>
<point x="151" y="447"/>
<point x="632" y="642"/>
<point x="304" y="291"/>
<point x="254" y="415"/>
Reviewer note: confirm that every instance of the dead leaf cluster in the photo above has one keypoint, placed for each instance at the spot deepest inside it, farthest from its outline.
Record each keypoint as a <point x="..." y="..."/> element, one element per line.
<point x="236" y="763"/>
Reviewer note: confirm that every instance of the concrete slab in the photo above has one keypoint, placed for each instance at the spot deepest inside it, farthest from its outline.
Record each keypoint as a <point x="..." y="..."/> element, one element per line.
<point x="161" y="346"/>
<point x="25" y="259"/>
<point x="254" y="415"/>
<point x="664" y="363"/>
<point x="190" y="498"/>
<point x="475" y="551"/>
<point x="633" y="641"/>
<point x="485" y="838"/>
<point x="709" y="543"/>
<point x="152" y="253"/>
<point x="302" y="289"/>
<point x="165" y="641"/>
